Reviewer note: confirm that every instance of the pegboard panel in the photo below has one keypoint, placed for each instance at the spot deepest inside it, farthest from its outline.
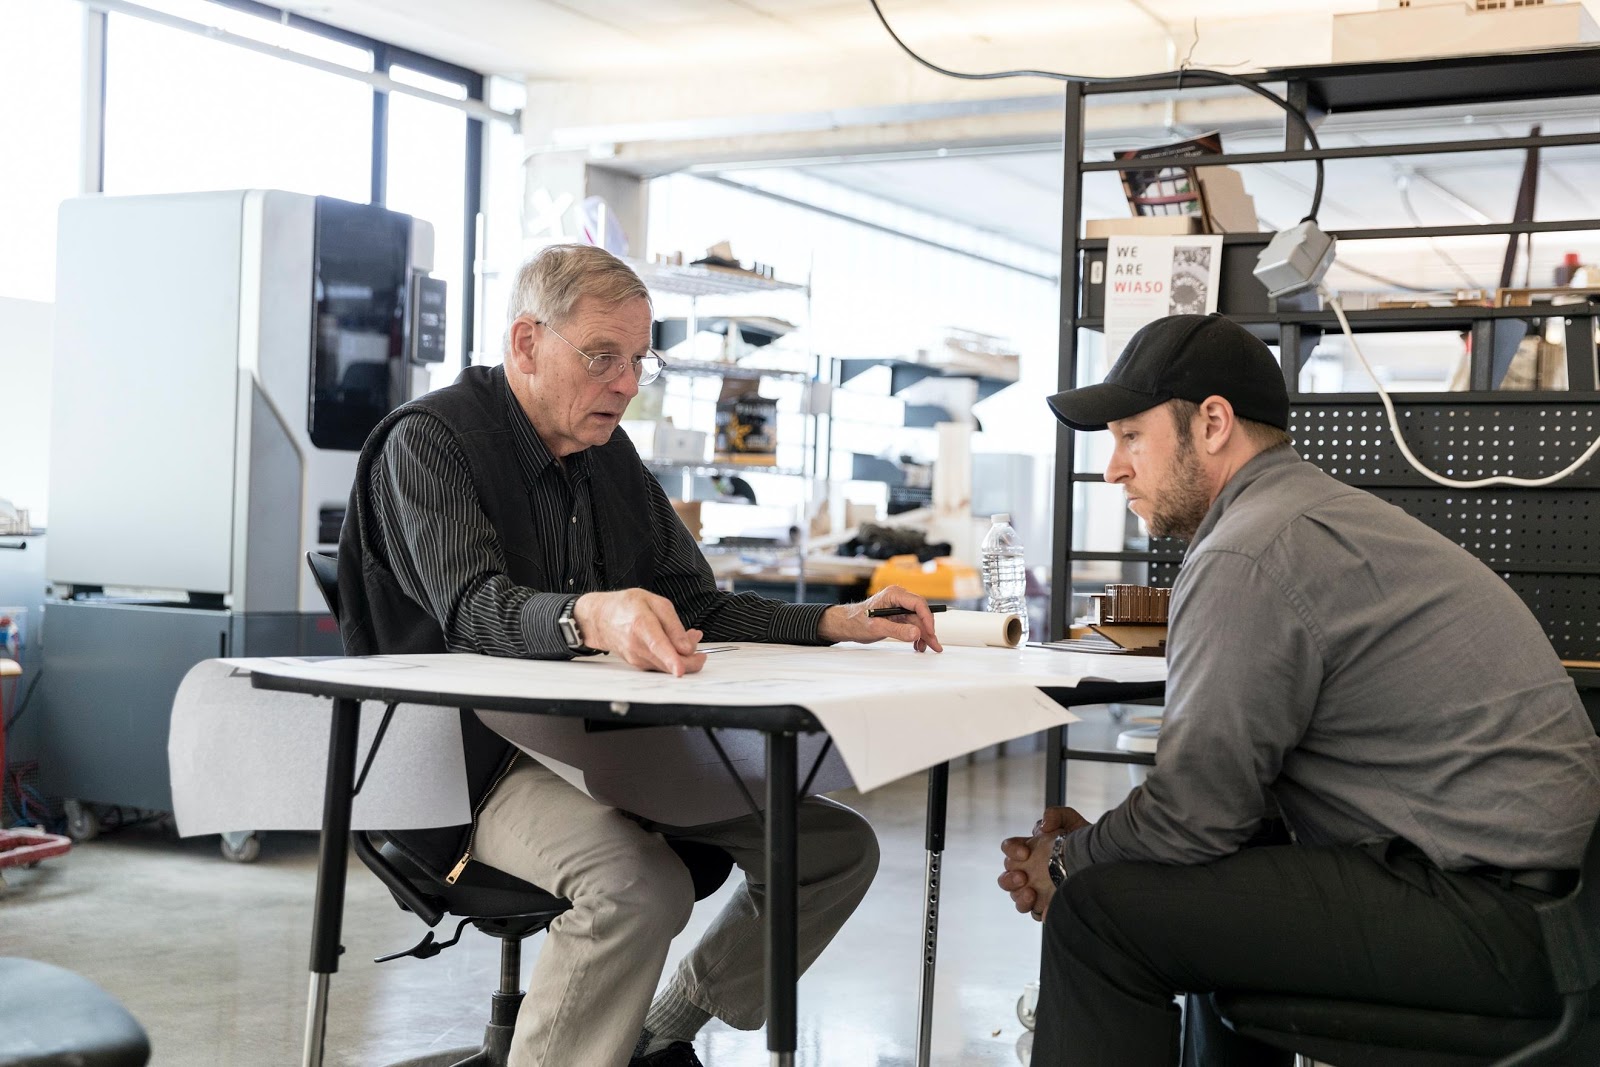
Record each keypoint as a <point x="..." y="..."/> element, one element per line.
<point x="1567" y="606"/>
<point x="1544" y="542"/>
<point x="1463" y="439"/>
<point x="1513" y="529"/>
<point x="1162" y="574"/>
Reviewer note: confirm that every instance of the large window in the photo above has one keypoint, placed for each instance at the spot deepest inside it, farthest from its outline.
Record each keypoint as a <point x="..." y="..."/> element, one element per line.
<point x="427" y="180"/>
<point x="504" y="247"/>
<point x="184" y="113"/>
<point x="41" y="49"/>
<point x="187" y="112"/>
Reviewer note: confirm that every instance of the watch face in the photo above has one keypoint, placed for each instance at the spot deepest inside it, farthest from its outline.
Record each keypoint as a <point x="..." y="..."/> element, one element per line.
<point x="568" y="625"/>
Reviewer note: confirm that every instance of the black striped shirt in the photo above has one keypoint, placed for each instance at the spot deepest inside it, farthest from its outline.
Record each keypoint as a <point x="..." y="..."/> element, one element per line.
<point x="447" y="557"/>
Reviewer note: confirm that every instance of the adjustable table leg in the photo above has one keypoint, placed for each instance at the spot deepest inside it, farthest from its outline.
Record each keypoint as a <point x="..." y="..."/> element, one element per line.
<point x="332" y="857"/>
<point x="783" y="958"/>
<point x="938" y="796"/>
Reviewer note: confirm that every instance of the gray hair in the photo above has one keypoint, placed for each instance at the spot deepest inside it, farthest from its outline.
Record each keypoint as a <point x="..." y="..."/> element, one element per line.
<point x="551" y="283"/>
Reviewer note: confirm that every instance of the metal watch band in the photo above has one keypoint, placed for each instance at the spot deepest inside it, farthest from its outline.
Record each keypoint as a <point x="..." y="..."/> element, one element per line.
<point x="567" y="624"/>
<point x="1058" y="861"/>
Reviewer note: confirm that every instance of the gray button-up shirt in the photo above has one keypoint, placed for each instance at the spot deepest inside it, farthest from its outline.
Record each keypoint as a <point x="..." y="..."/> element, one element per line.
<point x="1375" y="679"/>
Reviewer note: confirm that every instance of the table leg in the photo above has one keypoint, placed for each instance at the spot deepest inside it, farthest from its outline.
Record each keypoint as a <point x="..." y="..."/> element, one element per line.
<point x="938" y="796"/>
<point x="332" y="857"/>
<point x="1055" y="768"/>
<point x="783" y="958"/>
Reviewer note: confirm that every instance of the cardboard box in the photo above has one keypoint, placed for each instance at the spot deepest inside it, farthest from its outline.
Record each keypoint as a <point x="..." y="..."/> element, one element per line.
<point x="1143" y="226"/>
<point x="1457" y="29"/>
<point x="689" y="512"/>
<point x="1139" y="639"/>
<point x="674" y="445"/>
<point x="1229" y="209"/>
<point x="747" y="424"/>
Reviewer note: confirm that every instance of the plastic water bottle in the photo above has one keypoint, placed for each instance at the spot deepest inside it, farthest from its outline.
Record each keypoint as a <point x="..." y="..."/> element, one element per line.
<point x="1005" y="576"/>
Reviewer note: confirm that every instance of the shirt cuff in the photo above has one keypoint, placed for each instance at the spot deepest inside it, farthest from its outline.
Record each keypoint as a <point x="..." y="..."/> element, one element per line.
<point x="796" y="624"/>
<point x="539" y="630"/>
<point x="1075" y="850"/>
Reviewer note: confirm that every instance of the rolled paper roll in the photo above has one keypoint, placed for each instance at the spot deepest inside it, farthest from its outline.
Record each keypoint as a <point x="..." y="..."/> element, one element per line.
<point x="978" y="628"/>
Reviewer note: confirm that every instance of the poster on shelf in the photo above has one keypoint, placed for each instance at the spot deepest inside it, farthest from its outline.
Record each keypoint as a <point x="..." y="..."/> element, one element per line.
<point x="1149" y="278"/>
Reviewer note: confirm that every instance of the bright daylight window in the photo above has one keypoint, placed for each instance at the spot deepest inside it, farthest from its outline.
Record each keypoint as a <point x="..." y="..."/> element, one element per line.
<point x="41" y="62"/>
<point x="427" y="180"/>
<point x="502" y="250"/>
<point x="184" y="113"/>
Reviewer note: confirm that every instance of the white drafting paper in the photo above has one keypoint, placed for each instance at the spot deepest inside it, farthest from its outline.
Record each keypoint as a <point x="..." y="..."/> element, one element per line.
<point x="1149" y="278"/>
<point x="668" y="774"/>
<point x="978" y="628"/>
<point x="890" y="710"/>
<point x="250" y="759"/>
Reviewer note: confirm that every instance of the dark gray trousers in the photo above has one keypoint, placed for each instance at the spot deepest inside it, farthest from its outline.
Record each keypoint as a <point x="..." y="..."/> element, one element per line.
<point x="1385" y="926"/>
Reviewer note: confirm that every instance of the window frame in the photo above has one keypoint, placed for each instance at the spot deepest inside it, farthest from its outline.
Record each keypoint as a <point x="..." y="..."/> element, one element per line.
<point x="384" y="56"/>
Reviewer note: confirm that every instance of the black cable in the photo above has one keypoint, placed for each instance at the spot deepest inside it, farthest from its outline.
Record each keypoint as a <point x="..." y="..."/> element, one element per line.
<point x="383" y="727"/>
<point x="816" y="766"/>
<point x="1087" y="79"/>
<point x="22" y="705"/>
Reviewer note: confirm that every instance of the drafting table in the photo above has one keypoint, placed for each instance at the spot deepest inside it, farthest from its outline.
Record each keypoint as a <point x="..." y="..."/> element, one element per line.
<point x="863" y="696"/>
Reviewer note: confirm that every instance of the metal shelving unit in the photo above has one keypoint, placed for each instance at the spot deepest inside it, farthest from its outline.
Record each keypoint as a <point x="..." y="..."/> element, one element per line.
<point x="720" y="470"/>
<point x="712" y="368"/>
<point x="692" y="280"/>
<point x="1543" y="542"/>
<point x="698" y="282"/>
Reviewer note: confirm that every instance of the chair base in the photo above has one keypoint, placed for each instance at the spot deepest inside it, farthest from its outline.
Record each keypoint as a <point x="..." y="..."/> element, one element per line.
<point x="448" y="1058"/>
<point x="496" y="1047"/>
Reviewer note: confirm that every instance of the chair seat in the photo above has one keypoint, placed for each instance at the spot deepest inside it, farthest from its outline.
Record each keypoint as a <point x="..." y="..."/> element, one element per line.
<point x="51" y="1017"/>
<point x="482" y="892"/>
<point x="1381" y="1035"/>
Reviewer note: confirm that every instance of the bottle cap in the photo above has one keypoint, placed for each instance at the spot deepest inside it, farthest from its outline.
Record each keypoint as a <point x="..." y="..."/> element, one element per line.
<point x="999" y="517"/>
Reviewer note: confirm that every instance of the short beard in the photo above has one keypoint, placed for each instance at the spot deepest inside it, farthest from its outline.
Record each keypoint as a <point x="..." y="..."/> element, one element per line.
<point x="1185" y="502"/>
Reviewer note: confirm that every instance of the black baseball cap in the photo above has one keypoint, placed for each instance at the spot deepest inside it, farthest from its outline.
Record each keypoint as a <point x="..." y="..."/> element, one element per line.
<point x="1182" y="357"/>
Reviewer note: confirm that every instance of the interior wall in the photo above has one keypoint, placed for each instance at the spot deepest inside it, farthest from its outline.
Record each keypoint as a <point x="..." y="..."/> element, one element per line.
<point x="25" y="331"/>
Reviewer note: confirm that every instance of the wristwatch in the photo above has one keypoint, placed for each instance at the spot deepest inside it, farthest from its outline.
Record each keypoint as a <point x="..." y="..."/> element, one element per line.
<point x="567" y="624"/>
<point x="1058" y="861"/>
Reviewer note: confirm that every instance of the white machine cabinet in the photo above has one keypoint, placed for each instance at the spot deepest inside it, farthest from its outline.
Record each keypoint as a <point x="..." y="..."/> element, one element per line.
<point x="219" y="358"/>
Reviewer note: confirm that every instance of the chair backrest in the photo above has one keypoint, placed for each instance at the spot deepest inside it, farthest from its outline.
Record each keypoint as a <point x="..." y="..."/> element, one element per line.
<point x="1571" y="927"/>
<point x="325" y="571"/>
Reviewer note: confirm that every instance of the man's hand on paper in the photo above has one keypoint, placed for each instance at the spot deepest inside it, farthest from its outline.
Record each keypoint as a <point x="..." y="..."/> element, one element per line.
<point x="642" y="628"/>
<point x="849" y="622"/>
<point x="1027" y="873"/>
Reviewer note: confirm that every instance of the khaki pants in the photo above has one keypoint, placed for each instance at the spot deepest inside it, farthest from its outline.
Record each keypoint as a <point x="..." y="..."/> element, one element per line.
<point x="600" y="962"/>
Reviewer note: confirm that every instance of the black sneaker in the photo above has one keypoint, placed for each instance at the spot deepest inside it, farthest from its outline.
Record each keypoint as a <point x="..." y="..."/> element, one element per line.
<point x="677" y="1054"/>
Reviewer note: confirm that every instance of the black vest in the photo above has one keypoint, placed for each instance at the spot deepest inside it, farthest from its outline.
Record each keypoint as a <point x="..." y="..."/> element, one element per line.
<point x="377" y="617"/>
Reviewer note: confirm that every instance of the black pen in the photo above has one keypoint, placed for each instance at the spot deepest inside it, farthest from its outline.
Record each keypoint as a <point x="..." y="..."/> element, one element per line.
<point x="884" y="613"/>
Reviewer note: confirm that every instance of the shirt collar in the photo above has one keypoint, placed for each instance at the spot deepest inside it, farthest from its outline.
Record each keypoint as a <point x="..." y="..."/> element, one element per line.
<point x="1247" y="475"/>
<point x="533" y="456"/>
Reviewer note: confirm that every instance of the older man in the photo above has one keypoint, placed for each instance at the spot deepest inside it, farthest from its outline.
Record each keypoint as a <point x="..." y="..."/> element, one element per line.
<point x="1333" y="658"/>
<point x="509" y="515"/>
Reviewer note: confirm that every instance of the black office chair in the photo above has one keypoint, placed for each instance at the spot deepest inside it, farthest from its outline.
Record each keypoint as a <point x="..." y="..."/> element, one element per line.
<point x="1353" y="1034"/>
<point x="493" y="901"/>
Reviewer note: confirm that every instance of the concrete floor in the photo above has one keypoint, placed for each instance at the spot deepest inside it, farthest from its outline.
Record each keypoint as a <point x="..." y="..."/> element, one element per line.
<point x="211" y="956"/>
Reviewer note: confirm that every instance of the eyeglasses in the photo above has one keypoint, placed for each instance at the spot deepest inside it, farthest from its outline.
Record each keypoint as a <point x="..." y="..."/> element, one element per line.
<point x="608" y="365"/>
